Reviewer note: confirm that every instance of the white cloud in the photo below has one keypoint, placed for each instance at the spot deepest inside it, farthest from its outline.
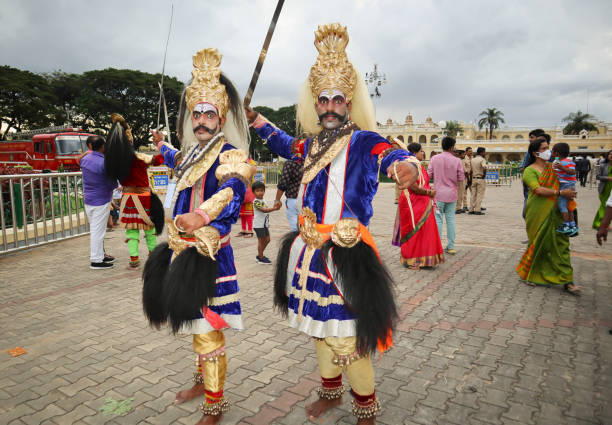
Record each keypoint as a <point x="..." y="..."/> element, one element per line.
<point x="446" y="59"/>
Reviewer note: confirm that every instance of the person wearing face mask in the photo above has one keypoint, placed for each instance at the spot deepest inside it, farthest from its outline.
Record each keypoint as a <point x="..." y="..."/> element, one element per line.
<point x="542" y="218"/>
<point x="330" y="281"/>
<point x="190" y="282"/>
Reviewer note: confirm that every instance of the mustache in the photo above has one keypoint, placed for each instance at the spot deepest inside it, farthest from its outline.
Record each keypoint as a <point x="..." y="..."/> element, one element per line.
<point x="203" y="127"/>
<point x="340" y="118"/>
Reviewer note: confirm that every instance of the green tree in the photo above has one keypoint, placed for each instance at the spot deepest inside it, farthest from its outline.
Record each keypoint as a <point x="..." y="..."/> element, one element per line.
<point x="67" y="88"/>
<point x="453" y="128"/>
<point x="283" y="118"/>
<point x="577" y="121"/>
<point x="26" y="100"/>
<point x="133" y="94"/>
<point x="491" y="119"/>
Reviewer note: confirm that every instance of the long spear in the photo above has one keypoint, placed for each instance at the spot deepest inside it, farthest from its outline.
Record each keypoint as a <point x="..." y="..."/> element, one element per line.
<point x="161" y="85"/>
<point x="262" y="55"/>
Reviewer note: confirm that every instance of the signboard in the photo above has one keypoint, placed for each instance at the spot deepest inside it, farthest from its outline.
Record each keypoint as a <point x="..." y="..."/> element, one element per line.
<point x="492" y="176"/>
<point x="159" y="177"/>
<point x="260" y="175"/>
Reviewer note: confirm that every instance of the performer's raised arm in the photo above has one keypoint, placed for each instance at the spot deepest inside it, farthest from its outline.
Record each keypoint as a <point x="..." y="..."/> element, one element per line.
<point x="276" y="139"/>
<point x="170" y="153"/>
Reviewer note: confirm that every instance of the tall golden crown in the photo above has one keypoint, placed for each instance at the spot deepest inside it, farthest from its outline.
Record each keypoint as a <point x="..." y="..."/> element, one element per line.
<point x="206" y="86"/>
<point x="332" y="70"/>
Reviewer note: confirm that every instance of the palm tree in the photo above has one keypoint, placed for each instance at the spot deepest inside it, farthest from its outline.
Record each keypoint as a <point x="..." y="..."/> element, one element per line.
<point x="491" y="118"/>
<point x="577" y="121"/>
<point x="452" y="128"/>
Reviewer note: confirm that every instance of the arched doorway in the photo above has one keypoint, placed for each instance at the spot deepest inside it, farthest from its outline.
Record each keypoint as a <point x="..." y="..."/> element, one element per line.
<point x="422" y="139"/>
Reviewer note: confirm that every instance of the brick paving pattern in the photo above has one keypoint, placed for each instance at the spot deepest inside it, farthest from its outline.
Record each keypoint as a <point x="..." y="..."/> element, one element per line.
<point x="474" y="345"/>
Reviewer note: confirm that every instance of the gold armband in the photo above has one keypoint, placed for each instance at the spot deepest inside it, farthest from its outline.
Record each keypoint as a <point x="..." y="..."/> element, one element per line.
<point x="234" y="164"/>
<point x="215" y="204"/>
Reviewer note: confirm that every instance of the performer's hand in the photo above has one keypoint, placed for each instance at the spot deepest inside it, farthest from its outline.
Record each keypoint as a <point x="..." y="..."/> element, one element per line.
<point x="406" y="174"/>
<point x="190" y="222"/>
<point x="602" y="235"/>
<point x="157" y="137"/>
<point x="251" y="114"/>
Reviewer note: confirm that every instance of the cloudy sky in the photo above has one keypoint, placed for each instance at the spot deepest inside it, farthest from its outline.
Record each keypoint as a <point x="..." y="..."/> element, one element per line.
<point x="535" y="60"/>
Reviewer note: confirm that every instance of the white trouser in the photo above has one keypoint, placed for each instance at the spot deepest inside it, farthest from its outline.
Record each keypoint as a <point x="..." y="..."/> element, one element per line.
<point x="98" y="218"/>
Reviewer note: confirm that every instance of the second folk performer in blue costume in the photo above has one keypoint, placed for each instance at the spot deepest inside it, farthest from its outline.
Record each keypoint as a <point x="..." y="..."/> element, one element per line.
<point x="329" y="280"/>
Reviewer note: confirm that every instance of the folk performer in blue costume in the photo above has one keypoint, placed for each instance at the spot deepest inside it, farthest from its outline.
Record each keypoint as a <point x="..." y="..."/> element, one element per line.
<point x="198" y="292"/>
<point x="329" y="279"/>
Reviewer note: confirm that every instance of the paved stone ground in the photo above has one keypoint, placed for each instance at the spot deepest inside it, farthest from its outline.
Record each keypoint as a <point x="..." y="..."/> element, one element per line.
<point x="474" y="345"/>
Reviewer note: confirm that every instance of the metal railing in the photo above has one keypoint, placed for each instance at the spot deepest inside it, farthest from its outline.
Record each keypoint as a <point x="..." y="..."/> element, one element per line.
<point x="502" y="174"/>
<point x="37" y="209"/>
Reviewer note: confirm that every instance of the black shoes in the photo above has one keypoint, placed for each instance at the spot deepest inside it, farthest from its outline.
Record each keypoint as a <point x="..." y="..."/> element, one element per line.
<point x="101" y="266"/>
<point x="476" y="212"/>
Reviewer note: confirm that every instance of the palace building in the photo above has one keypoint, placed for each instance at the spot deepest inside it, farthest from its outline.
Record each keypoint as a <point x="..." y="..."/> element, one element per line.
<point x="509" y="143"/>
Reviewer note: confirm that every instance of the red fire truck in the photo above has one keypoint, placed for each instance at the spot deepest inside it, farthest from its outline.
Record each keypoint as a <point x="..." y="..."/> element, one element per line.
<point x="46" y="149"/>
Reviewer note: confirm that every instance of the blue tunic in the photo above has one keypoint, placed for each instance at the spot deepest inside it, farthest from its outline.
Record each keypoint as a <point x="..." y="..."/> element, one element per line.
<point x="345" y="188"/>
<point x="226" y="303"/>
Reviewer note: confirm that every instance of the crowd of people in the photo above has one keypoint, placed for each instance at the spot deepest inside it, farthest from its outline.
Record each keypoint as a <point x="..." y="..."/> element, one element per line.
<point x="328" y="261"/>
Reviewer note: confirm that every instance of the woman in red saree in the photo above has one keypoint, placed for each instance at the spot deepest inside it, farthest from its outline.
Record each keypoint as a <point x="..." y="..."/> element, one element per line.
<point x="416" y="231"/>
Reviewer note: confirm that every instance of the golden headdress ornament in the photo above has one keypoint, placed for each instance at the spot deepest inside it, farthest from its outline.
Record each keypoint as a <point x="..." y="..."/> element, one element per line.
<point x="128" y="130"/>
<point x="332" y="70"/>
<point x="206" y="86"/>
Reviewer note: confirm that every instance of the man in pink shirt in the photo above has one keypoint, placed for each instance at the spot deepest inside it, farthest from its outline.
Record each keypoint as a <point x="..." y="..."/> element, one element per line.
<point x="446" y="171"/>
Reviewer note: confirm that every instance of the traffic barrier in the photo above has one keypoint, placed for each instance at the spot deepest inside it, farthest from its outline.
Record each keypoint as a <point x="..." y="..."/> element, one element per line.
<point x="37" y="209"/>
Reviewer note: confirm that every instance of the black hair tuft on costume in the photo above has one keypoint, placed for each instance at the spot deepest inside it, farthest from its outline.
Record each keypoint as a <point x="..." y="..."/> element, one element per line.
<point x="153" y="278"/>
<point x="368" y="292"/>
<point x="157" y="213"/>
<point x="190" y="283"/>
<point x="118" y="153"/>
<point x="281" y="299"/>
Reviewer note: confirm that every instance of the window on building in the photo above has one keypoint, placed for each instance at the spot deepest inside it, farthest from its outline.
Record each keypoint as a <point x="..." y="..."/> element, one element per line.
<point x="422" y="139"/>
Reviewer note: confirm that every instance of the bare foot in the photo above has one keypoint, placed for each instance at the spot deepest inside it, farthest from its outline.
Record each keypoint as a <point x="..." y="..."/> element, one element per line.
<point x="209" y="420"/>
<point x="186" y="395"/>
<point x="316" y="409"/>
<point x="369" y="421"/>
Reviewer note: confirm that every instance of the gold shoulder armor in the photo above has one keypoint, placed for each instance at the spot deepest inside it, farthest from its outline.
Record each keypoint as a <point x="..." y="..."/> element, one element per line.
<point x="234" y="164"/>
<point x="147" y="159"/>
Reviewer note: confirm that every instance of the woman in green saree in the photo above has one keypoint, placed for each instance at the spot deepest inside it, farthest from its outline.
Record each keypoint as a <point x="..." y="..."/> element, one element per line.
<point x="547" y="259"/>
<point x="604" y="188"/>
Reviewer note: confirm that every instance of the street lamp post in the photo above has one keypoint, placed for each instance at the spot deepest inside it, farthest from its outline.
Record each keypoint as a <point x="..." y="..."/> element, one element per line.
<point x="374" y="80"/>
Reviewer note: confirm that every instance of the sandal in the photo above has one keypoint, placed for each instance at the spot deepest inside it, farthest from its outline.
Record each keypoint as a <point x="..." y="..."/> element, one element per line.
<point x="572" y="289"/>
<point x="248" y="235"/>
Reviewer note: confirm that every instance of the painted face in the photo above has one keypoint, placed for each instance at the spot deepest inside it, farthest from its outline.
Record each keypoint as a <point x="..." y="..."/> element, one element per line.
<point x="205" y="122"/>
<point x="332" y="109"/>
